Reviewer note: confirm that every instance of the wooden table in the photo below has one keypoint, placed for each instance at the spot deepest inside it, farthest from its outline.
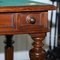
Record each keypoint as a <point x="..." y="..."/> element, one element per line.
<point x="24" y="18"/>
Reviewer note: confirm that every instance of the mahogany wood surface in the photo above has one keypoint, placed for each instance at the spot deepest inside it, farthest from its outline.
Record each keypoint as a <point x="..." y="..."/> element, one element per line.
<point x="18" y="23"/>
<point x="37" y="52"/>
<point x="31" y="20"/>
<point x="26" y="8"/>
<point x="9" y="47"/>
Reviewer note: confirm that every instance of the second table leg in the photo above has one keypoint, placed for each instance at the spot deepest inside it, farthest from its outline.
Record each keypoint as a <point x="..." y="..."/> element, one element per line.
<point x="37" y="52"/>
<point x="9" y="47"/>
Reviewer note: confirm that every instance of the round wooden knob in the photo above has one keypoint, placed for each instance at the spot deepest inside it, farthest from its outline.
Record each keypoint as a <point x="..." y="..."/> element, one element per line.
<point x="31" y="20"/>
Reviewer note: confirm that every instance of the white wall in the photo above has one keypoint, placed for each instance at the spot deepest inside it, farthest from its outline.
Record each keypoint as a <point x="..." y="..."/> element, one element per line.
<point x="45" y="1"/>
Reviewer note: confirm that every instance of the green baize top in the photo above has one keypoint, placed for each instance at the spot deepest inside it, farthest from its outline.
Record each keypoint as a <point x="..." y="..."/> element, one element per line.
<point x="20" y="3"/>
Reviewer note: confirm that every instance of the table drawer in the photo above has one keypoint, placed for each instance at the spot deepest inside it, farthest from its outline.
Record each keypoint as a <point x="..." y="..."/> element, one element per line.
<point x="33" y="19"/>
<point x="7" y="22"/>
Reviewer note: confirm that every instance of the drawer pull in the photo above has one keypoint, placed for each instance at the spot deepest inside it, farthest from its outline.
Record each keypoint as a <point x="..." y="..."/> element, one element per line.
<point x="31" y="20"/>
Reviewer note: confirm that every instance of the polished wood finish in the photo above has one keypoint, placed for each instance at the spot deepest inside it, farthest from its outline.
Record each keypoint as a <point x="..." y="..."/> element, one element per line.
<point x="31" y="20"/>
<point x="9" y="47"/>
<point x="14" y="23"/>
<point x="37" y="52"/>
<point x="26" y="8"/>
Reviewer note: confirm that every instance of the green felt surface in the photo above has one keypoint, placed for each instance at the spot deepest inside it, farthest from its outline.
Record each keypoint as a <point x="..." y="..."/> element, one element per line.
<point x="20" y="3"/>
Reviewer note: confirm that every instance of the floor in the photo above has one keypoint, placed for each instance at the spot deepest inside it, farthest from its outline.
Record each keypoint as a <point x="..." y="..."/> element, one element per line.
<point x="18" y="55"/>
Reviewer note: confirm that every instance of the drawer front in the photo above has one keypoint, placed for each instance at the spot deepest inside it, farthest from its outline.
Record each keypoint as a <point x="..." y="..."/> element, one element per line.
<point x="28" y="18"/>
<point x="33" y="19"/>
<point x="7" y="22"/>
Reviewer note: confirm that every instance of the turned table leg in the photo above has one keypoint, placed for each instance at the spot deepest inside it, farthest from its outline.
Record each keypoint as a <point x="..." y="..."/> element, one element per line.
<point x="9" y="47"/>
<point x="37" y="52"/>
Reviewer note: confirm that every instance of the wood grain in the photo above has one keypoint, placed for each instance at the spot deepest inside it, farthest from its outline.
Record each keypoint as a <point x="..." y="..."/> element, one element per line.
<point x="37" y="52"/>
<point x="26" y="8"/>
